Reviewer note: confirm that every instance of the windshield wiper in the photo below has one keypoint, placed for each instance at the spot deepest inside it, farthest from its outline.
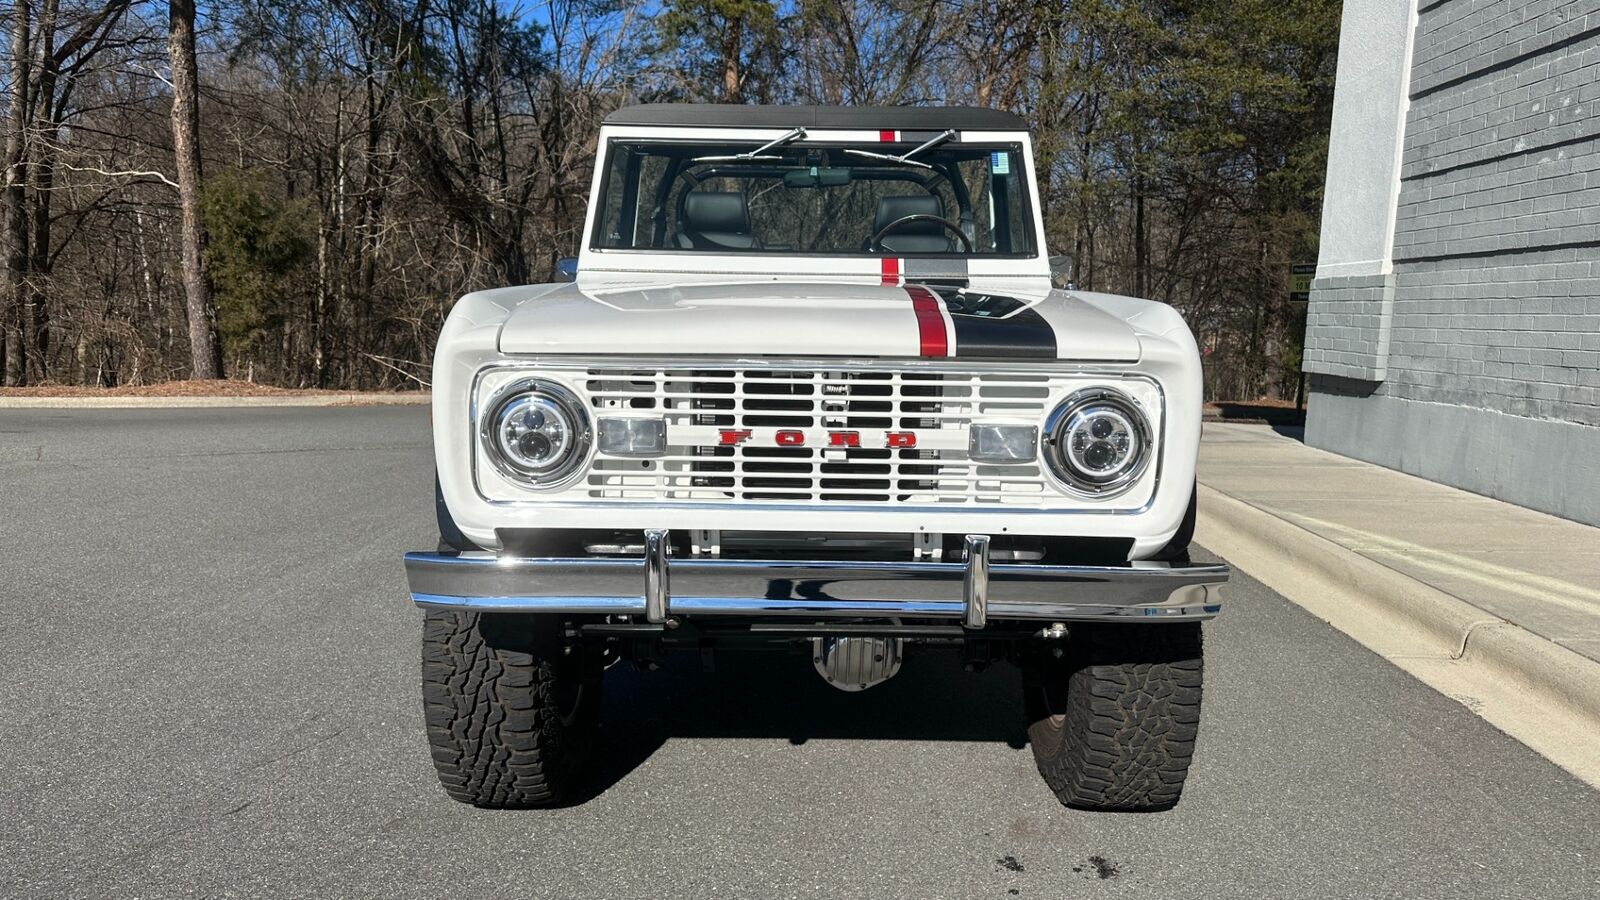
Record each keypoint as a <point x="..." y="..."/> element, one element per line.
<point x="905" y="158"/>
<point x="755" y="154"/>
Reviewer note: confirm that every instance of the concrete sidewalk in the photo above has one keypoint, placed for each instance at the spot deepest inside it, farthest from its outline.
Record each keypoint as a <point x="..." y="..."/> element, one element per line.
<point x="1532" y="569"/>
<point x="1491" y="604"/>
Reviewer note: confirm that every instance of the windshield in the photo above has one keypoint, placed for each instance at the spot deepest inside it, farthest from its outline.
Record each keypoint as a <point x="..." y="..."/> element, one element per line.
<point x="814" y="197"/>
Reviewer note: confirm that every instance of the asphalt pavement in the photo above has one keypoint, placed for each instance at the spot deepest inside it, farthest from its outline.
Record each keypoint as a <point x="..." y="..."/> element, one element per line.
<point x="210" y="690"/>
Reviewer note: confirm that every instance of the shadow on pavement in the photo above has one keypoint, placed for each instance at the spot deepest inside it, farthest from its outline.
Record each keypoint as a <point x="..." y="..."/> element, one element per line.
<point x="779" y="695"/>
<point x="1285" y="420"/>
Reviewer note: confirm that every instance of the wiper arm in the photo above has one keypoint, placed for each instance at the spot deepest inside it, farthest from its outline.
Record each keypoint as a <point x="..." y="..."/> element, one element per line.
<point x="756" y="154"/>
<point x="905" y="158"/>
<point x="794" y="135"/>
<point x="888" y="158"/>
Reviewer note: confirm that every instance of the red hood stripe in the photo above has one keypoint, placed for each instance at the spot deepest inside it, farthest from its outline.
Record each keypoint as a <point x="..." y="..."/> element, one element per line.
<point x="891" y="270"/>
<point x="930" y="323"/>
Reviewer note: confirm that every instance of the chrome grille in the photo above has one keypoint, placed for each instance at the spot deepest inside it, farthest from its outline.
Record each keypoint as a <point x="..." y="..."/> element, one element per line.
<point x="937" y="404"/>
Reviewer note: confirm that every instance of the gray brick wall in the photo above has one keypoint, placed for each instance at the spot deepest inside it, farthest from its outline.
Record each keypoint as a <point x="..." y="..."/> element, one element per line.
<point x="1492" y="313"/>
<point x="1539" y="198"/>
<point x="1543" y="101"/>
<point x="1512" y="333"/>
<point x="1347" y="326"/>
<point x="1496" y="299"/>
<point x="1458" y="39"/>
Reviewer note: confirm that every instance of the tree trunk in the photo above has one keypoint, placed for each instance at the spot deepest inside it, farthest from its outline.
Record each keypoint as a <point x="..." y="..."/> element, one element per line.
<point x="42" y="170"/>
<point x="732" y="37"/>
<point x="16" y="213"/>
<point x="1141" y="253"/>
<point x="319" y="312"/>
<point x="42" y="133"/>
<point x="203" y="345"/>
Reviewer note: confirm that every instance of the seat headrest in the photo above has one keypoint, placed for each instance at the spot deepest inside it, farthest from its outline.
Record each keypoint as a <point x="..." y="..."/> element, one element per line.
<point x="716" y="212"/>
<point x="892" y="208"/>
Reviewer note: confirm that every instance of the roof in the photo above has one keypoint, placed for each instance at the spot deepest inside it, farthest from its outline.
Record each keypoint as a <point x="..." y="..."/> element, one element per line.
<point x="897" y="118"/>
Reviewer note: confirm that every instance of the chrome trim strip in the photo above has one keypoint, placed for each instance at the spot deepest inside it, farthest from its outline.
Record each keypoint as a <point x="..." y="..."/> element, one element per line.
<point x="657" y="574"/>
<point x="736" y="606"/>
<point x="817" y="589"/>
<point x="976" y="585"/>
<point x="567" y="605"/>
<point x="1107" y="368"/>
<point x="843" y="609"/>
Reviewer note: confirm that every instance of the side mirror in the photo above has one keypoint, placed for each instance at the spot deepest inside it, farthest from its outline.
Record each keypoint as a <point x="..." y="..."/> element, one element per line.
<point x="1061" y="269"/>
<point x="567" y="269"/>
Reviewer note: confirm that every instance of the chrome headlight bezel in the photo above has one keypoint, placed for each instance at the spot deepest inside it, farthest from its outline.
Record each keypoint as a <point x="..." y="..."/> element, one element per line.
<point x="572" y="463"/>
<point x="1059" y="461"/>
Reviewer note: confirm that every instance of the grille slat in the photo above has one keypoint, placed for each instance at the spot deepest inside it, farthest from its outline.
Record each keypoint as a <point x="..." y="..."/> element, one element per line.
<point x="938" y="406"/>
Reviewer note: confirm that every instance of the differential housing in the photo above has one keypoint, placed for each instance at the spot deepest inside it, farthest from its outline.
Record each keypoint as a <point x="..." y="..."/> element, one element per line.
<point x="857" y="663"/>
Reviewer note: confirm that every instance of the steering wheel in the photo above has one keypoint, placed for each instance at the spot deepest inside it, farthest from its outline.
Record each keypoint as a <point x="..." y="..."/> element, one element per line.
<point x="952" y="227"/>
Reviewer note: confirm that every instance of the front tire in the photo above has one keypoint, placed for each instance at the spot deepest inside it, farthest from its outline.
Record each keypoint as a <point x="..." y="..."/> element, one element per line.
<point x="1112" y="720"/>
<point x="512" y="719"/>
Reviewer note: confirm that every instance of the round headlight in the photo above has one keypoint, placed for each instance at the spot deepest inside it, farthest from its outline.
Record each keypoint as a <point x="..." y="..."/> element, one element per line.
<point x="536" y="432"/>
<point x="1097" y="441"/>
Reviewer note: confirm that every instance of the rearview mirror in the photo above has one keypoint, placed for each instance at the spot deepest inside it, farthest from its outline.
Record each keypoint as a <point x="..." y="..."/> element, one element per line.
<point x="816" y="177"/>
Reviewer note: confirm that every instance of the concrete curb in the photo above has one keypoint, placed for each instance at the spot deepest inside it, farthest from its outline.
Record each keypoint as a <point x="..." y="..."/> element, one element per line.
<point x="1534" y="689"/>
<point x="352" y="398"/>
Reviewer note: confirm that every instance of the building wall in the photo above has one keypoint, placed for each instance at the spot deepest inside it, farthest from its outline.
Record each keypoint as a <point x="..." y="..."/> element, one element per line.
<point x="1471" y="355"/>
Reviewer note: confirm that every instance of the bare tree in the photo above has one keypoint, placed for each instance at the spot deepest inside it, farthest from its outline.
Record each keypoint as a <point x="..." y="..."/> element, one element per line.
<point x="203" y="346"/>
<point x="16" y="214"/>
<point x="45" y="74"/>
<point x="371" y="160"/>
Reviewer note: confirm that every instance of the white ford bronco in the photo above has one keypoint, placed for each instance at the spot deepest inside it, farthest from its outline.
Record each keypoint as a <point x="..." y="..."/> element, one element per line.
<point x="811" y="385"/>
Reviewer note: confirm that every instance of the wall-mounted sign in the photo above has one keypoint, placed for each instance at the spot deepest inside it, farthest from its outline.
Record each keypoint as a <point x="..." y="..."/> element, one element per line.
<point x="1300" y="275"/>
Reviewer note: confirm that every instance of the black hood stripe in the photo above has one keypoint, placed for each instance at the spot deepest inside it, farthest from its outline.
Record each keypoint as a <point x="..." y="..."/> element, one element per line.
<point x="993" y="326"/>
<point x="1022" y="335"/>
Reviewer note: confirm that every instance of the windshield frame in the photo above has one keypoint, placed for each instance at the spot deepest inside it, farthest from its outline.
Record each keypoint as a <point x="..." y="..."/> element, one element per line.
<point x="1015" y="144"/>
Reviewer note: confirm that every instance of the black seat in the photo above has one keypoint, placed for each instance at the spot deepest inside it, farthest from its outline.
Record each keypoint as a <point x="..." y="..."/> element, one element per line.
<point x="921" y="236"/>
<point x="715" y="220"/>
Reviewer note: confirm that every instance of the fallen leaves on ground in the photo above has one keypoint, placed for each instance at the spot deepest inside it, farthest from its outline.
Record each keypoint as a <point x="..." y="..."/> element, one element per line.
<point x="189" y="388"/>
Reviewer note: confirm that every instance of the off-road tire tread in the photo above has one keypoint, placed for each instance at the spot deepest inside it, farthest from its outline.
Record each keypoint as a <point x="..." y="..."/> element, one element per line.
<point x="494" y="725"/>
<point x="1131" y="713"/>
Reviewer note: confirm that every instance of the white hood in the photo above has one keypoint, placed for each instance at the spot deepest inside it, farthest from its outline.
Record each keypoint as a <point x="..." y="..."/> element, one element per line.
<point x="767" y="318"/>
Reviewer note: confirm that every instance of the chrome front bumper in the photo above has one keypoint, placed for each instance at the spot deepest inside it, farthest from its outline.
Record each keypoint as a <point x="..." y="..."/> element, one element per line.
<point x="656" y="587"/>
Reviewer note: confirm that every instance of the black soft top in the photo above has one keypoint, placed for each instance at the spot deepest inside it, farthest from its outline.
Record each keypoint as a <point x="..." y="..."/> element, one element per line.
<point x="875" y="118"/>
